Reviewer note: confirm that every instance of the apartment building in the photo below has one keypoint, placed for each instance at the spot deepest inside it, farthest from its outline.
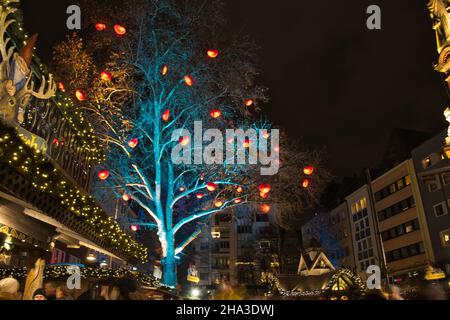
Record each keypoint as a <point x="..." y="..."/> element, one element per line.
<point x="432" y="167"/>
<point x="401" y="222"/>
<point x="366" y="244"/>
<point x="239" y="247"/>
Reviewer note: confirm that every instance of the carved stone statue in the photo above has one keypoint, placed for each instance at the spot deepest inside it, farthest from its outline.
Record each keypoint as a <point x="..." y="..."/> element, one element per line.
<point x="16" y="85"/>
<point x="441" y="21"/>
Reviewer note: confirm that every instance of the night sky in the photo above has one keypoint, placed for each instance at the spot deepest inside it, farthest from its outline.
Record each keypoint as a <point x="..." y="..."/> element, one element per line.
<point x="332" y="82"/>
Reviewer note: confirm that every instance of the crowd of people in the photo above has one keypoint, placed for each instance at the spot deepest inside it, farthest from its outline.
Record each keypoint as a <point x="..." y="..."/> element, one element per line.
<point x="123" y="289"/>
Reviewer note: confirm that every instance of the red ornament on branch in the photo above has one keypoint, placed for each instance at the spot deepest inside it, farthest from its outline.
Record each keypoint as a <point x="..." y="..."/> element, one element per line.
<point x="184" y="141"/>
<point x="308" y="170"/>
<point x="215" y="113"/>
<point x="264" y="188"/>
<point x="133" y="143"/>
<point x="61" y="87"/>
<point x="249" y="102"/>
<point x="100" y="26"/>
<point x="164" y="70"/>
<point x="106" y="76"/>
<point x="80" y="95"/>
<point x="166" y="115"/>
<point x="188" y="81"/>
<point x="265" y="208"/>
<point x="306" y="183"/>
<point x="213" y="54"/>
<point x="120" y="30"/>
<point x="211" y="186"/>
<point x="103" y="175"/>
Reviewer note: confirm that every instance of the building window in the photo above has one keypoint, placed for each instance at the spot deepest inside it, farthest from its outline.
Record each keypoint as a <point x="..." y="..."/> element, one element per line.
<point x="440" y="209"/>
<point x="405" y="252"/>
<point x="426" y="163"/>
<point x="446" y="178"/>
<point x="431" y="183"/>
<point x="400" y="230"/>
<point x="396" y="209"/>
<point x="393" y="188"/>
<point x="445" y="238"/>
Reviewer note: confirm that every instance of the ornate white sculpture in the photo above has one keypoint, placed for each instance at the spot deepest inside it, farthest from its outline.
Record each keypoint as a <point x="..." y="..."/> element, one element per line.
<point x="16" y="85"/>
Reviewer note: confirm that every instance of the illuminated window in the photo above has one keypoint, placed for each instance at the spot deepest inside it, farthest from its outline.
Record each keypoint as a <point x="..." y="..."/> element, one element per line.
<point x="440" y="209"/>
<point x="445" y="238"/>
<point x="407" y="180"/>
<point x="426" y="163"/>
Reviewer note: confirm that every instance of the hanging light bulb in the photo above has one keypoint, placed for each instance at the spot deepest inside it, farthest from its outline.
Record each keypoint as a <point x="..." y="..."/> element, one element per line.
<point x="239" y="200"/>
<point x="126" y="197"/>
<point x="218" y="204"/>
<point x="239" y="189"/>
<point x="134" y="228"/>
<point x="200" y="196"/>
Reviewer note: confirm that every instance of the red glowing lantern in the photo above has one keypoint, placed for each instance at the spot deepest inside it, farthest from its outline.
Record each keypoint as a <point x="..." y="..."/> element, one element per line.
<point x="200" y="196"/>
<point x="264" y="188"/>
<point x="263" y="195"/>
<point x="164" y="70"/>
<point x="249" y="102"/>
<point x="100" y="26"/>
<point x="106" y="76"/>
<point x="218" y="204"/>
<point x="211" y="186"/>
<point x="246" y="143"/>
<point x="239" y="200"/>
<point x="133" y="143"/>
<point x="215" y="113"/>
<point x="309" y="170"/>
<point x="134" y="228"/>
<point x="306" y="183"/>
<point x="61" y="87"/>
<point x="126" y="197"/>
<point x="189" y="81"/>
<point x="166" y="115"/>
<point x="265" y="208"/>
<point x="239" y="189"/>
<point x="80" y="95"/>
<point x="184" y="141"/>
<point x="120" y="30"/>
<point x="103" y="175"/>
<point x="213" y="54"/>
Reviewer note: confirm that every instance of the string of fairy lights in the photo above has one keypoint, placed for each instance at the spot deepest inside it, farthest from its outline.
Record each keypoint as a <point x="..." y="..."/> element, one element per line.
<point x="46" y="178"/>
<point x="62" y="272"/>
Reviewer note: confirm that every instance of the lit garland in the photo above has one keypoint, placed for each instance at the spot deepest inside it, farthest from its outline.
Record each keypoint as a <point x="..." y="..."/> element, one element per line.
<point x="61" y="273"/>
<point x="46" y="178"/>
<point x="84" y="132"/>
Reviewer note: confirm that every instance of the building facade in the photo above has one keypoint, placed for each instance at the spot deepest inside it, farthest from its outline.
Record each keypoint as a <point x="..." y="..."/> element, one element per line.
<point x="332" y="230"/>
<point x="433" y="175"/>
<point x="363" y="225"/>
<point x="401" y="222"/>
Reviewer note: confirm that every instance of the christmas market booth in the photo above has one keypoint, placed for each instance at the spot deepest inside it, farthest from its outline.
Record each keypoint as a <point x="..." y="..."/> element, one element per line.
<point x="317" y="278"/>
